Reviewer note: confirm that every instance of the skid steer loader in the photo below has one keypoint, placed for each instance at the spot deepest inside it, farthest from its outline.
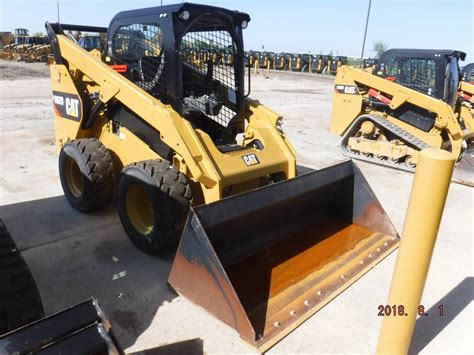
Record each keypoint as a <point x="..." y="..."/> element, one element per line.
<point x="467" y="73"/>
<point x="408" y="102"/>
<point x="281" y="61"/>
<point x="299" y="62"/>
<point x="369" y="63"/>
<point x="193" y="159"/>
<point x="265" y="59"/>
<point x="319" y="64"/>
<point x="335" y="63"/>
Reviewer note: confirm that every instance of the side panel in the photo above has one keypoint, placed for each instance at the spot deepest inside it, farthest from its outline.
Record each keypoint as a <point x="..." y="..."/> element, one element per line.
<point x="66" y="119"/>
<point x="346" y="103"/>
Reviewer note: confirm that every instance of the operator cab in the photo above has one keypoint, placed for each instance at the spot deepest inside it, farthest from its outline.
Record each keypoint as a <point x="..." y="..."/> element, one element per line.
<point x="432" y="72"/>
<point x="90" y="42"/>
<point x="170" y="51"/>
<point x="467" y="73"/>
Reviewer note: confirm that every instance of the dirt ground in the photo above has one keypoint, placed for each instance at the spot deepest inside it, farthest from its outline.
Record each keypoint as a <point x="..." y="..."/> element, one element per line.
<point x="75" y="256"/>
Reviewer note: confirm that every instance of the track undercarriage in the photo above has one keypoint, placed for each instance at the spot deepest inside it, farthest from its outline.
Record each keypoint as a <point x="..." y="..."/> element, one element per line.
<point x="374" y="139"/>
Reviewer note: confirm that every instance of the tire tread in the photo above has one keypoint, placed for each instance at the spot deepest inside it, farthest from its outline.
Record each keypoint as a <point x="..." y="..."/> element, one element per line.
<point x="175" y="186"/>
<point x="100" y="171"/>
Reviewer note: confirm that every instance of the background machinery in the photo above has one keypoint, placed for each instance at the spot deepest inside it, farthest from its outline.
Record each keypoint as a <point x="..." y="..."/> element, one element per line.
<point x="192" y="159"/>
<point x="335" y="63"/>
<point x="299" y="62"/>
<point x="369" y="62"/>
<point x="319" y="64"/>
<point x="23" y="47"/>
<point x="38" y="53"/>
<point x="265" y="59"/>
<point x="409" y="102"/>
<point x="467" y="73"/>
<point x="466" y="93"/>
<point x="90" y="42"/>
<point x="227" y="57"/>
<point x="281" y="61"/>
<point x="252" y="57"/>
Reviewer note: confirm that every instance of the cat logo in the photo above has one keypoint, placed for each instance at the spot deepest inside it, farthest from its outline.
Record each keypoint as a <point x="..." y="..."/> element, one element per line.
<point x="250" y="159"/>
<point x="346" y="89"/>
<point x="66" y="105"/>
<point x="72" y="107"/>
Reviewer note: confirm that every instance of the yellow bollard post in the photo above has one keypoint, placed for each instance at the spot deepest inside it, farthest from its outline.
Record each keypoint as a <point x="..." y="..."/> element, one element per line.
<point x="425" y="208"/>
<point x="268" y="68"/>
<point x="255" y="72"/>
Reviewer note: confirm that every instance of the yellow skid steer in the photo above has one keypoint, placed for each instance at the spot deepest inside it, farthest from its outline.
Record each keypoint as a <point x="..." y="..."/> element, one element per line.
<point x="262" y="244"/>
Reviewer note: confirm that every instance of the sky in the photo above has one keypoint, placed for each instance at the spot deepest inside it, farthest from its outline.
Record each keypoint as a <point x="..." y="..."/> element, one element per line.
<point x="318" y="26"/>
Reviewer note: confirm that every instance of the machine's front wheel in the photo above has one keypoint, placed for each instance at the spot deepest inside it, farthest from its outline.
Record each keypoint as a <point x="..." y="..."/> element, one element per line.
<point x="153" y="199"/>
<point x="87" y="174"/>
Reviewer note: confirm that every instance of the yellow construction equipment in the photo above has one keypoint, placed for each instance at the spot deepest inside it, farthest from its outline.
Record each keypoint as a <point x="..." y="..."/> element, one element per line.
<point x="281" y="61"/>
<point x="25" y="47"/>
<point x="193" y="159"/>
<point x="335" y="63"/>
<point x="467" y="73"/>
<point x="409" y="102"/>
<point x="38" y="53"/>
<point x="466" y="91"/>
<point x="319" y="64"/>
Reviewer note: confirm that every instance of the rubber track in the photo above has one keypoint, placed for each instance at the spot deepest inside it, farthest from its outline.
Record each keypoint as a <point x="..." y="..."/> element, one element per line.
<point x="386" y="125"/>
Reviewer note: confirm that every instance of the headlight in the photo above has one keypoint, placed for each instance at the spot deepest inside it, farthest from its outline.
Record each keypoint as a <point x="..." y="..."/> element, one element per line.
<point x="184" y="15"/>
<point x="244" y="24"/>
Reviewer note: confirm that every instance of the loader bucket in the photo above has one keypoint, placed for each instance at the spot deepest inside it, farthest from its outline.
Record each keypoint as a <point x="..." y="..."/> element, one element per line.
<point x="264" y="261"/>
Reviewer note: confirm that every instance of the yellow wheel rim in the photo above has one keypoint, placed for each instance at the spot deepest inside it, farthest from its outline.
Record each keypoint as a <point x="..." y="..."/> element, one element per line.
<point x="74" y="177"/>
<point x="140" y="209"/>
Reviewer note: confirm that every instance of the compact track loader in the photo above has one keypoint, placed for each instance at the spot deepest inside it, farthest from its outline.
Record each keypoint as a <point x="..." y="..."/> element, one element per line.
<point x="266" y="59"/>
<point x="299" y="62"/>
<point x="409" y="102"/>
<point x="467" y="73"/>
<point x="253" y="57"/>
<point x="335" y="63"/>
<point x="369" y="63"/>
<point x="281" y="61"/>
<point x="193" y="159"/>
<point x="319" y="64"/>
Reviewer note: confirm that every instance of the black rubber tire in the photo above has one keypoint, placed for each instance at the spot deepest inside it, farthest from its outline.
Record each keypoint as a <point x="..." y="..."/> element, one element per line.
<point x="20" y="302"/>
<point x="98" y="172"/>
<point x="170" y="195"/>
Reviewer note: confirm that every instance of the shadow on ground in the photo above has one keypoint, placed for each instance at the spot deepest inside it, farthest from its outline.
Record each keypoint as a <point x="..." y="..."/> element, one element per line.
<point x="426" y="329"/>
<point x="74" y="257"/>
<point x="187" y="347"/>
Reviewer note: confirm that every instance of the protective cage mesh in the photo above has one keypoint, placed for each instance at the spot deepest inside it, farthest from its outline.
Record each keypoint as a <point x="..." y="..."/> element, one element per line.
<point x="416" y="73"/>
<point x="140" y="46"/>
<point x="209" y="81"/>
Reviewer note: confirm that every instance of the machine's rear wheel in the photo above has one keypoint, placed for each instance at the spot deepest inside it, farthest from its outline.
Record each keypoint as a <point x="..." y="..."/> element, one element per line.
<point x="87" y="174"/>
<point x="153" y="199"/>
<point x="20" y="302"/>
